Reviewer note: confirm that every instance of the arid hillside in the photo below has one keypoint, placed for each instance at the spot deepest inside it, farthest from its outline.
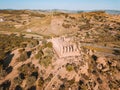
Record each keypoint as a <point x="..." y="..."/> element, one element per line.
<point x="56" y="23"/>
<point x="52" y="50"/>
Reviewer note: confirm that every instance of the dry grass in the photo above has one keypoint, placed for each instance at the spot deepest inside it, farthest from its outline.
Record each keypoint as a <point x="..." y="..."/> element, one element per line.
<point x="99" y="49"/>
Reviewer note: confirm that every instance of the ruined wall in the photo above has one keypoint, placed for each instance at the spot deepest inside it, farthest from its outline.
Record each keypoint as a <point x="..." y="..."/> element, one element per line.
<point x="65" y="48"/>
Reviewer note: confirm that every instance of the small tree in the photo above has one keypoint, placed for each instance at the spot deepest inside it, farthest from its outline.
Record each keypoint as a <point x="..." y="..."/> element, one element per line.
<point x="49" y="44"/>
<point x="30" y="81"/>
<point x="62" y="87"/>
<point x="23" y="56"/>
<point x="40" y="82"/>
<point x="39" y="54"/>
<point x="69" y="67"/>
<point x="46" y="61"/>
<point x="17" y="80"/>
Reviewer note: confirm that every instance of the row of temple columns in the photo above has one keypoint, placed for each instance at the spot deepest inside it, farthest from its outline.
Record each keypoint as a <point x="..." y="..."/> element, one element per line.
<point x="69" y="48"/>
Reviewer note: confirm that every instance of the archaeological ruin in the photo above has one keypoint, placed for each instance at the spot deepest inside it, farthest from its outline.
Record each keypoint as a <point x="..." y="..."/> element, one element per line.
<point x="64" y="47"/>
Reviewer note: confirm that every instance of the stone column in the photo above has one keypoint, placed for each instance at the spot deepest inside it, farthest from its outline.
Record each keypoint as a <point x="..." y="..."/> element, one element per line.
<point x="63" y="49"/>
<point x="66" y="49"/>
<point x="75" y="48"/>
<point x="72" y="48"/>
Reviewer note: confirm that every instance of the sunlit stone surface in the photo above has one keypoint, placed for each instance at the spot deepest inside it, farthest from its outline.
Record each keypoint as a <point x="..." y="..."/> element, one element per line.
<point x="65" y="48"/>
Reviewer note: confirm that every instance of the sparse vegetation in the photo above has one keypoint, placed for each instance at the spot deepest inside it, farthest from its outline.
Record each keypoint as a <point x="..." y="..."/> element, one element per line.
<point x="23" y="56"/>
<point x="69" y="67"/>
<point x="10" y="42"/>
<point x="17" y="81"/>
<point x="27" y="69"/>
<point x="45" y="54"/>
<point x="40" y="82"/>
<point x="30" y="81"/>
<point x="29" y="61"/>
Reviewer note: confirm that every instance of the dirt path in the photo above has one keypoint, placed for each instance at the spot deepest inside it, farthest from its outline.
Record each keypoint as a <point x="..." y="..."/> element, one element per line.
<point x="28" y="35"/>
<point x="59" y="63"/>
<point x="52" y="80"/>
<point x="98" y="46"/>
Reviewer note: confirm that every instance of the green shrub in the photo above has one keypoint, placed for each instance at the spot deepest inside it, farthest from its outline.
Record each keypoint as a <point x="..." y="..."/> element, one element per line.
<point x="10" y="42"/>
<point x="39" y="55"/>
<point x="49" y="44"/>
<point x="30" y="81"/>
<point x="23" y="56"/>
<point x="27" y="69"/>
<point x="40" y="82"/>
<point x="46" y="61"/>
<point x="17" y="80"/>
<point x="69" y="67"/>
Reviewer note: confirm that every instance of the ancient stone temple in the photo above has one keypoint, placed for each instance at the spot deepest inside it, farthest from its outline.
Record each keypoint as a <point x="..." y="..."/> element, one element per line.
<point x="64" y="47"/>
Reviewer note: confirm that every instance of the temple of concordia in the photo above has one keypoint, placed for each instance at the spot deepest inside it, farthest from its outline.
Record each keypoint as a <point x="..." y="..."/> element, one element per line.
<point x="64" y="47"/>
